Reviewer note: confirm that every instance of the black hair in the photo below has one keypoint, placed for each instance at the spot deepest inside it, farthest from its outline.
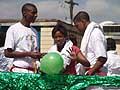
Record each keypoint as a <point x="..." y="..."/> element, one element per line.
<point x="111" y="44"/>
<point x="61" y="29"/>
<point x="26" y="5"/>
<point x="82" y="15"/>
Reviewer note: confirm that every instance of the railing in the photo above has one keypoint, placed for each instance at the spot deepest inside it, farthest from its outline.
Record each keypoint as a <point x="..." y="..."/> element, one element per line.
<point x="22" y="81"/>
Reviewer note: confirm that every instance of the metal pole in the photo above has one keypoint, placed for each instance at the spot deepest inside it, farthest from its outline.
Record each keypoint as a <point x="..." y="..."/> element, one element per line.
<point x="71" y="9"/>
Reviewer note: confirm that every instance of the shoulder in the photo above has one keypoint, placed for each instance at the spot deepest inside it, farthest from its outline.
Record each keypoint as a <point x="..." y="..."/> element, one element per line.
<point x="97" y="34"/>
<point x="97" y="30"/>
<point x="12" y="27"/>
<point x="15" y="25"/>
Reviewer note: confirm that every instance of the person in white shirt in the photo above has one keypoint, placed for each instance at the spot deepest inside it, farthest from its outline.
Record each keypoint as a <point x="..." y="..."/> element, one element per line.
<point x="21" y="42"/>
<point x="113" y="62"/>
<point x="5" y="63"/>
<point x="93" y="44"/>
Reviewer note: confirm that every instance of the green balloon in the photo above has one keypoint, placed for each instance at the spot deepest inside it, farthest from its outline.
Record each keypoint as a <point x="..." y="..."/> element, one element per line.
<point x="51" y="63"/>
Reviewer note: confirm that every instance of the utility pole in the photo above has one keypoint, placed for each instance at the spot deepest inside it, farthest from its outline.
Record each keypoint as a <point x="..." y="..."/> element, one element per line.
<point x="71" y="9"/>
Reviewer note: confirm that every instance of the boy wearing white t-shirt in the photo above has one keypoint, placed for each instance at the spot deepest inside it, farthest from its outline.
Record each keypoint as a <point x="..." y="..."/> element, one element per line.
<point x="21" y="42"/>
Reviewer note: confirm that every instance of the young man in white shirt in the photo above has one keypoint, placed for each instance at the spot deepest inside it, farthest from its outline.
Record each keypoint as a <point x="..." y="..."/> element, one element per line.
<point x="21" y="42"/>
<point x="93" y="44"/>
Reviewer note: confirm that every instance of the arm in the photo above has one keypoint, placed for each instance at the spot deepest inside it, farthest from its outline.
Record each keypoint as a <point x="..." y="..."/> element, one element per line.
<point x="98" y="45"/>
<point x="15" y="54"/>
<point x="99" y="63"/>
<point x="82" y="59"/>
<point x="77" y="55"/>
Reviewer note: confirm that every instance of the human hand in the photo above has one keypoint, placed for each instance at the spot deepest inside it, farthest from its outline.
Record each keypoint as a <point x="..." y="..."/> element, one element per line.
<point x="73" y="55"/>
<point x="43" y="54"/>
<point x="89" y="72"/>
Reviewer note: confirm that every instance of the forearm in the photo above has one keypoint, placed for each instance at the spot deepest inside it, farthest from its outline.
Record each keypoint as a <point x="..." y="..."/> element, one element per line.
<point x="83" y="60"/>
<point x="96" y="67"/>
<point x="99" y="63"/>
<point x="16" y="54"/>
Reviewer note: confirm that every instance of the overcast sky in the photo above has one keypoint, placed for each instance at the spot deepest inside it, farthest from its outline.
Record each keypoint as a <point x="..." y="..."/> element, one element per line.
<point x="99" y="10"/>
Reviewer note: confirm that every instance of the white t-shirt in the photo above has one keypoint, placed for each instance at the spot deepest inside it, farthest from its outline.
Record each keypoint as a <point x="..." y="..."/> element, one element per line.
<point x="96" y="46"/>
<point x="21" y="38"/>
<point x="93" y="45"/>
<point x="113" y="63"/>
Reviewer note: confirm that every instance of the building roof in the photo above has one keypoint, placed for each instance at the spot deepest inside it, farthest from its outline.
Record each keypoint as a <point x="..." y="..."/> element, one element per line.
<point x="16" y="20"/>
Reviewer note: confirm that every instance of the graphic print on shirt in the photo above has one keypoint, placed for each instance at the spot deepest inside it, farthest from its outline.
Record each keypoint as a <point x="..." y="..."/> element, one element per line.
<point x="30" y="42"/>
